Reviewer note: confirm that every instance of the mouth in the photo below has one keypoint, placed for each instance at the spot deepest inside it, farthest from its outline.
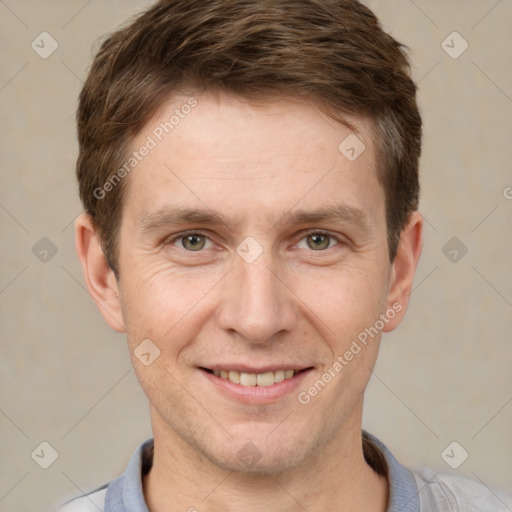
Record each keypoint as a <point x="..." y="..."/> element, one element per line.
<point x="252" y="379"/>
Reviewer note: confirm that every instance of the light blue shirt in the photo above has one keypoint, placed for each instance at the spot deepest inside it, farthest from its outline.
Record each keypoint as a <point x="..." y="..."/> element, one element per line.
<point x="409" y="491"/>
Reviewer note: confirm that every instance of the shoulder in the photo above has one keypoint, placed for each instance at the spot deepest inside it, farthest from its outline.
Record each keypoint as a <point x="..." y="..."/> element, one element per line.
<point x="91" y="502"/>
<point x="457" y="493"/>
<point x="126" y="488"/>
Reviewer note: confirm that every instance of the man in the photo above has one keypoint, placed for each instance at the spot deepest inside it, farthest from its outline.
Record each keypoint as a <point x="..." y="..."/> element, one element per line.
<point x="249" y="173"/>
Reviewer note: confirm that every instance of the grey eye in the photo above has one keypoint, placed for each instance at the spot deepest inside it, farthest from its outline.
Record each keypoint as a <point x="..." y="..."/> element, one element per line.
<point x="193" y="242"/>
<point x="318" y="242"/>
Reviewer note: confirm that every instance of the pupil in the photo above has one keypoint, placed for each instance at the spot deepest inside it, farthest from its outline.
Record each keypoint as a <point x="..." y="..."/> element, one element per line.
<point x="193" y="242"/>
<point x="318" y="241"/>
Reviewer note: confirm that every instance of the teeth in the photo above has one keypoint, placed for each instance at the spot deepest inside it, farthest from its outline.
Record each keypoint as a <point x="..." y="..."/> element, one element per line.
<point x="234" y="376"/>
<point x="255" y="379"/>
<point x="279" y="375"/>
<point x="265" y="379"/>
<point x="248" y="379"/>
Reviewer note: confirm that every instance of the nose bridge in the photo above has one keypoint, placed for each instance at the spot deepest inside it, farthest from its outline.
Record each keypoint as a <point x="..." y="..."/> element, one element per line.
<point x="256" y="304"/>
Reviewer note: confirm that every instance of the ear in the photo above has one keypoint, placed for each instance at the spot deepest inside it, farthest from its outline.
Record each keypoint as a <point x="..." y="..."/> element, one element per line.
<point x="99" y="277"/>
<point x="403" y="268"/>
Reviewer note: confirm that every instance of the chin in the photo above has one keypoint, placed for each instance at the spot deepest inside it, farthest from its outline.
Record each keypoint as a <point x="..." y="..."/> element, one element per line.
<point x="261" y="457"/>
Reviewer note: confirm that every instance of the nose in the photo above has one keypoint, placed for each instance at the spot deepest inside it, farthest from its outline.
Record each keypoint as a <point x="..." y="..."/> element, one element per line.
<point x="256" y="302"/>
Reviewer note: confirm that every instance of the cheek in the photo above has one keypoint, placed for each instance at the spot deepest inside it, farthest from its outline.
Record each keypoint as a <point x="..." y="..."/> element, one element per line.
<point x="346" y="314"/>
<point x="163" y="305"/>
<point x="344" y="301"/>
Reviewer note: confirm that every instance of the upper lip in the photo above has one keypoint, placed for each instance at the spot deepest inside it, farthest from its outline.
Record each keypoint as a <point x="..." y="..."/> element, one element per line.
<point x="257" y="369"/>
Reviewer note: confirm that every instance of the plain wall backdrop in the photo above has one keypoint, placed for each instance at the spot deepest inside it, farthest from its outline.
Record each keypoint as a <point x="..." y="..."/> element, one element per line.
<point x="443" y="376"/>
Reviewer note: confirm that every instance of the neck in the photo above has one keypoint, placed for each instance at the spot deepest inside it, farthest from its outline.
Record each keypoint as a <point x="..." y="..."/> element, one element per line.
<point x="334" y="478"/>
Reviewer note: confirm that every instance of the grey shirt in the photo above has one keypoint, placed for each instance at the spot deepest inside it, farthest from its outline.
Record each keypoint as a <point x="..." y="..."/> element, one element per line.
<point x="409" y="491"/>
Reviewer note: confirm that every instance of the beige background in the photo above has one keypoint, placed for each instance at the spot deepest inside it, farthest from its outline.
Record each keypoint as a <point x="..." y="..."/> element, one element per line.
<point x="443" y="376"/>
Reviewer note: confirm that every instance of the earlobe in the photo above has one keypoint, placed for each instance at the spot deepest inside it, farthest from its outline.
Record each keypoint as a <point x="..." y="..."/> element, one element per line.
<point x="99" y="277"/>
<point x="404" y="268"/>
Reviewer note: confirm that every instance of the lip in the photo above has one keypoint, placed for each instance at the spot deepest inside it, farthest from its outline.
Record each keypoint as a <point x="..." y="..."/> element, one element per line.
<point x="256" y="394"/>
<point x="259" y="369"/>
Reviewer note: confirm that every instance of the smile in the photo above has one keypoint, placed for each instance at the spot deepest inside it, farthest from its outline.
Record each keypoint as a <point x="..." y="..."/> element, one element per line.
<point x="256" y="385"/>
<point x="255" y="379"/>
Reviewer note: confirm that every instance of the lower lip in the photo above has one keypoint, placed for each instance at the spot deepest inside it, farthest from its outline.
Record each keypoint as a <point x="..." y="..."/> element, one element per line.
<point x="257" y="394"/>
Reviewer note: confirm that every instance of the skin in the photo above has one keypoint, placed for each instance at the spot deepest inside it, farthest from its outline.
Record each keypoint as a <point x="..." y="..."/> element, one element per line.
<point x="255" y="166"/>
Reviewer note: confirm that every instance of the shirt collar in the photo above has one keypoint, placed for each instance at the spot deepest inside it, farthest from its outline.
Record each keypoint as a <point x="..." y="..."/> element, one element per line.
<point x="125" y="494"/>
<point x="403" y="492"/>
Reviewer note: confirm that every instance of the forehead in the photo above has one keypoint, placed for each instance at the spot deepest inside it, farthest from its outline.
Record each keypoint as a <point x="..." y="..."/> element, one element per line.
<point x="224" y="154"/>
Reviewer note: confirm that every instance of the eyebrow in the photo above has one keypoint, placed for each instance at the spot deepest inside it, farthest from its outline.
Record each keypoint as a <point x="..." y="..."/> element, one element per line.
<point x="339" y="213"/>
<point x="175" y="217"/>
<point x="172" y="217"/>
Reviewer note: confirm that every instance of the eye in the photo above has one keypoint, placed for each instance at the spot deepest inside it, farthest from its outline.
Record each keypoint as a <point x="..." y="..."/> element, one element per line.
<point x="318" y="241"/>
<point x="192" y="241"/>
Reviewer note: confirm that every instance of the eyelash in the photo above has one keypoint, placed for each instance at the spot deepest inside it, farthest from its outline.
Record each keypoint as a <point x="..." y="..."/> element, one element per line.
<point x="184" y="234"/>
<point x="316" y="232"/>
<point x="175" y="238"/>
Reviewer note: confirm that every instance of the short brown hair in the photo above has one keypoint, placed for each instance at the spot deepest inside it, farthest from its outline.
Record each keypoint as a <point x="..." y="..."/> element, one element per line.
<point x="332" y="52"/>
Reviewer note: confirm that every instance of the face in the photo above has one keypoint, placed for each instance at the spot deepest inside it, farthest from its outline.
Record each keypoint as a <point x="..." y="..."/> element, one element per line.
<point x="253" y="254"/>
